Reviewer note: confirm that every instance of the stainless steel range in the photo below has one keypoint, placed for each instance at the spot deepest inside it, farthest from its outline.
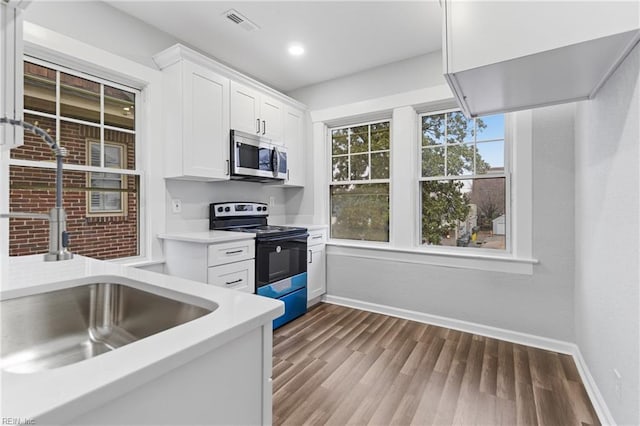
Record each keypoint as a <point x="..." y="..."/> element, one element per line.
<point x="281" y="254"/>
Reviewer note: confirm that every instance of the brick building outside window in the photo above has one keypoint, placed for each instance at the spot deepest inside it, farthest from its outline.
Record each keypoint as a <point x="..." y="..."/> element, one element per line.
<point x="95" y="121"/>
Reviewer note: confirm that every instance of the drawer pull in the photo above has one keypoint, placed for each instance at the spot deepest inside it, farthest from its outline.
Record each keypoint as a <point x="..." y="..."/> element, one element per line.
<point x="316" y="237"/>
<point x="234" y="251"/>
<point x="239" y="280"/>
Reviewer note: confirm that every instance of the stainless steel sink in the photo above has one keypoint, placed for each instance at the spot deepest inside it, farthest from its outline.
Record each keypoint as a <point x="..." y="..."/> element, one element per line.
<point x="49" y="330"/>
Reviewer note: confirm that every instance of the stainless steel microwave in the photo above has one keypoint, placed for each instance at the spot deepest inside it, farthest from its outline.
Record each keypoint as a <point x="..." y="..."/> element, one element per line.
<point x="256" y="158"/>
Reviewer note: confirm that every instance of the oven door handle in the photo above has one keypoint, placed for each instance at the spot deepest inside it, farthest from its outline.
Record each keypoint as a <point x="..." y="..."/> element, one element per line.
<point x="285" y="238"/>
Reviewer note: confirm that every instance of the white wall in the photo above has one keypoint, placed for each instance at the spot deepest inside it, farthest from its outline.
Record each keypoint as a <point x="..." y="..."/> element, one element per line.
<point x="607" y="295"/>
<point x="103" y="26"/>
<point x="196" y="197"/>
<point x="402" y="76"/>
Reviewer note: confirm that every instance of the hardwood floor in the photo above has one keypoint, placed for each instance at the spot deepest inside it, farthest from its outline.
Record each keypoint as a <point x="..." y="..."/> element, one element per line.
<point x="339" y="366"/>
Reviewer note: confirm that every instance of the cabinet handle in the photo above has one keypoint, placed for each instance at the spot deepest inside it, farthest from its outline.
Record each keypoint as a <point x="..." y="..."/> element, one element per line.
<point x="287" y="174"/>
<point x="264" y="127"/>
<point x="239" y="280"/>
<point x="234" y="251"/>
<point x="228" y="168"/>
<point x="258" y="121"/>
<point x="316" y="237"/>
<point x="310" y="256"/>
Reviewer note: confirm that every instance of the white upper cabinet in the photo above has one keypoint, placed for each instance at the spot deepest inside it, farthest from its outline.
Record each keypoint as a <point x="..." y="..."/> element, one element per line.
<point x="294" y="131"/>
<point x="11" y="72"/>
<point x="245" y="109"/>
<point x="257" y="113"/>
<point x="196" y="120"/>
<point x="507" y="56"/>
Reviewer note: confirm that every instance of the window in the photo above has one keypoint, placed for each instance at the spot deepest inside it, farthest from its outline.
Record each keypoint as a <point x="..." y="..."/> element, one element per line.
<point x="107" y="202"/>
<point x="95" y="121"/>
<point x="359" y="187"/>
<point x="463" y="183"/>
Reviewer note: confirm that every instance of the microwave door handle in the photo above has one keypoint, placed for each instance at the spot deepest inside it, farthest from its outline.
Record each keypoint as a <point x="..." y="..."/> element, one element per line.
<point x="277" y="155"/>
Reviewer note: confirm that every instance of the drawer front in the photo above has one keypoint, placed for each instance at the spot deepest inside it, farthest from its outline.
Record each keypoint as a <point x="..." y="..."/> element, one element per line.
<point x="236" y="276"/>
<point x="233" y="251"/>
<point x="317" y="237"/>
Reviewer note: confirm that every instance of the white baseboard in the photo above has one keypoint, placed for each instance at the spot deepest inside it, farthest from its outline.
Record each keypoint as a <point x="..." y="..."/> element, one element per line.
<point x="592" y="389"/>
<point x="559" y="346"/>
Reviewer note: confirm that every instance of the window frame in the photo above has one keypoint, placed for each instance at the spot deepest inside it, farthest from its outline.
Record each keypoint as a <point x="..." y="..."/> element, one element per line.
<point x="330" y="182"/>
<point x="506" y="174"/>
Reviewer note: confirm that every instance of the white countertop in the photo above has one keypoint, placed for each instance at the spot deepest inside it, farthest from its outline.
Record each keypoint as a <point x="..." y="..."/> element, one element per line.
<point x="60" y="394"/>
<point x="207" y="237"/>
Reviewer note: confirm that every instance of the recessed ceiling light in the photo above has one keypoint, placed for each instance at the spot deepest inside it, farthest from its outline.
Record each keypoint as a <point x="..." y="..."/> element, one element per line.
<point x="296" y="49"/>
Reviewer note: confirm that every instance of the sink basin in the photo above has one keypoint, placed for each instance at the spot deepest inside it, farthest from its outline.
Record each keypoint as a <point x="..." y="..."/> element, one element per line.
<point x="62" y="327"/>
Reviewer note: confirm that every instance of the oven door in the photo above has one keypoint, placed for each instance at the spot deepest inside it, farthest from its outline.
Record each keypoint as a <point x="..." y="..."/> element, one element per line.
<point x="280" y="258"/>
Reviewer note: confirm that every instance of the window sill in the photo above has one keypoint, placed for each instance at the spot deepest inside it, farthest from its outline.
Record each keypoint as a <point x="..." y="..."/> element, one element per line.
<point x="484" y="261"/>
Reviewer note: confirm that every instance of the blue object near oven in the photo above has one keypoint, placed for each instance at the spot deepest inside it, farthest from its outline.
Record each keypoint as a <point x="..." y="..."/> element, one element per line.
<point x="293" y="292"/>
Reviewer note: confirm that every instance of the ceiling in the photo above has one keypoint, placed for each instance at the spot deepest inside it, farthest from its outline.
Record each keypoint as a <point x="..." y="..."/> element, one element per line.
<point x="340" y="37"/>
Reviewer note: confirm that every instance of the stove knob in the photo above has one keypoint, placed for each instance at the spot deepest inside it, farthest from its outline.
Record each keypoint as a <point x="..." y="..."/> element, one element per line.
<point x="259" y="209"/>
<point x="226" y="209"/>
<point x="220" y="209"/>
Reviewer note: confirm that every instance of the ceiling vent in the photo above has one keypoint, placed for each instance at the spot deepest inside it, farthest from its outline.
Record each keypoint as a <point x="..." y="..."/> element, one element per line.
<point x="241" y="20"/>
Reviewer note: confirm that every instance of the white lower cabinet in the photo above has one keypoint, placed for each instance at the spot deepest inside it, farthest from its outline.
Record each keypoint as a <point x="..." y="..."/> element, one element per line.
<point x="316" y="264"/>
<point x="237" y="276"/>
<point x="228" y="264"/>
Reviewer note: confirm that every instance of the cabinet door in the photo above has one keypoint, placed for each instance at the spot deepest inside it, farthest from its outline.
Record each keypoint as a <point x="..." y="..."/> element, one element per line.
<point x="206" y="123"/>
<point x="294" y="141"/>
<point x="272" y="119"/>
<point x="316" y="272"/>
<point x="245" y="107"/>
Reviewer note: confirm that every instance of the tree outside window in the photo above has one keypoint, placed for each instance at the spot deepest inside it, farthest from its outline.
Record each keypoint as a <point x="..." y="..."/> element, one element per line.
<point x="463" y="181"/>
<point x="359" y="188"/>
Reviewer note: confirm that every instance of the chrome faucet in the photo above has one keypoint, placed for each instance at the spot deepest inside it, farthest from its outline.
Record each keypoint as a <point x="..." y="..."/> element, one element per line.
<point x="58" y="236"/>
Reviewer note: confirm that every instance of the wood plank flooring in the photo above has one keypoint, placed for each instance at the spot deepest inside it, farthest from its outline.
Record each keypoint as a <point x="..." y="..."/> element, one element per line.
<point x="339" y="366"/>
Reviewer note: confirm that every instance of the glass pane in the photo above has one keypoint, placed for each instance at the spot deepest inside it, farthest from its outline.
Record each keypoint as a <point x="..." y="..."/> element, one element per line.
<point x="124" y="141"/>
<point x="464" y="213"/>
<point x="360" y="212"/>
<point x="76" y="138"/>
<point x="339" y="141"/>
<point x="380" y="136"/>
<point x="119" y="108"/>
<point x="39" y="88"/>
<point x="79" y="98"/>
<point x="490" y="127"/>
<point x="33" y="190"/>
<point x="359" y="140"/>
<point x="490" y="157"/>
<point x="359" y="166"/>
<point x="433" y="129"/>
<point x="340" y="168"/>
<point x="380" y="165"/>
<point x="34" y="147"/>
<point x="433" y="161"/>
<point x="460" y="159"/>
<point x="459" y="129"/>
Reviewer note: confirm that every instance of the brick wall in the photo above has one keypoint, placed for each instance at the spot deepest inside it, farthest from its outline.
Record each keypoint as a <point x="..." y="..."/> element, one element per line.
<point x="33" y="190"/>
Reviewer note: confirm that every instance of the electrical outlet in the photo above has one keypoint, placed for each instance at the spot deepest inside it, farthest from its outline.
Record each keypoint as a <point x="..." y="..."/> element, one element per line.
<point x="272" y="201"/>
<point x="176" y="206"/>
<point x="618" y="384"/>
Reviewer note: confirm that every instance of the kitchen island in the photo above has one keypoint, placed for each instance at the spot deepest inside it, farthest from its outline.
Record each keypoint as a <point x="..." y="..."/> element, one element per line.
<point x="215" y="369"/>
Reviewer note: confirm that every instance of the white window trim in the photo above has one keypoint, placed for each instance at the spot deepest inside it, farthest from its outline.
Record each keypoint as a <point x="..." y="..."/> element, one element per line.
<point x="59" y="49"/>
<point x="518" y="261"/>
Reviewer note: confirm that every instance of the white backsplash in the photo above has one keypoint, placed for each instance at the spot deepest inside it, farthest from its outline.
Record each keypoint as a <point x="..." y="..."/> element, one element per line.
<point x="195" y="198"/>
